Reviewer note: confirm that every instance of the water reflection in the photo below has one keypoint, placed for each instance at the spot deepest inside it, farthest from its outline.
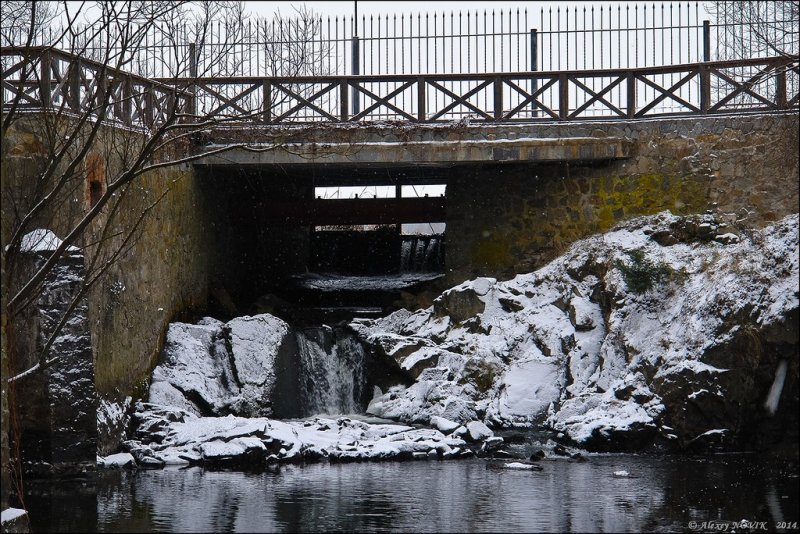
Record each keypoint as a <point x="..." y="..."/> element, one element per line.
<point x="659" y="494"/>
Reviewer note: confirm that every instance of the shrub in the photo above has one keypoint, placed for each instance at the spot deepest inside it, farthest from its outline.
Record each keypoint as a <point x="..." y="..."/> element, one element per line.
<point x="640" y="273"/>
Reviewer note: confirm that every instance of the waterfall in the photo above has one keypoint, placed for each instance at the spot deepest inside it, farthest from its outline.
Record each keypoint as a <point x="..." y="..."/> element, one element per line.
<point x="406" y="247"/>
<point x="421" y="253"/>
<point x="332" y="376"/>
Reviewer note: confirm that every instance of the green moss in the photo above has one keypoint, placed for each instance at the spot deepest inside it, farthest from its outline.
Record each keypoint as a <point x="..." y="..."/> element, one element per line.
<point x="492" y="252"/>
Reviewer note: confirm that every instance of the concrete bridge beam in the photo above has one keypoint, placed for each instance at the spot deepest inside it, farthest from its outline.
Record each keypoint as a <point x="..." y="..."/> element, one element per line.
<point x="368" y="151"/>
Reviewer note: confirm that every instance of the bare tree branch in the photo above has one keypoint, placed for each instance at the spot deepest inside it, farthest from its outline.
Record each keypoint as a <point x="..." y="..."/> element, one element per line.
<point x="124" y="39"/>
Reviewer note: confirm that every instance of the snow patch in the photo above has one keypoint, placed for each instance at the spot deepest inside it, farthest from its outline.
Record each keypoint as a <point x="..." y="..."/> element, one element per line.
<point x="41" y="240"/>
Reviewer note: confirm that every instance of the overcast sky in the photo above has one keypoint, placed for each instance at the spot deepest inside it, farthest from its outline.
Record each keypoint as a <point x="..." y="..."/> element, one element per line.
<point x="383" y="7"/>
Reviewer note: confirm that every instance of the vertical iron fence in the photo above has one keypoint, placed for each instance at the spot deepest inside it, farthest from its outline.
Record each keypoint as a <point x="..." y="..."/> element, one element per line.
<point x="560" y="37"/>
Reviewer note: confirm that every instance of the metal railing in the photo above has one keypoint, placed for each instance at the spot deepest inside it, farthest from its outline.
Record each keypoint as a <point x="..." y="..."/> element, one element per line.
<point x="477" y="65"/>
<point x="556" y="37"/>
<point x="64" y="81"/>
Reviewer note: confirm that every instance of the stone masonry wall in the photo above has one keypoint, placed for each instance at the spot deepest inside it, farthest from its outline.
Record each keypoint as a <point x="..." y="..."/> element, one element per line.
<point x="162" y="274"/>
<point x="152" y="276"/>
<point x="504" y="220"/>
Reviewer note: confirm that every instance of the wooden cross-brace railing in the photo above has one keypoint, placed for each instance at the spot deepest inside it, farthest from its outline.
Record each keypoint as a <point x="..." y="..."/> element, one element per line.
<point x="50" y="79"/>
<point x="47" y="78"/>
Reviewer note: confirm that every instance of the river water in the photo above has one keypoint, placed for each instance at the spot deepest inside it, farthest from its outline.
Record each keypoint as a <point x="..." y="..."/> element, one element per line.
<point x="660" y="493"/>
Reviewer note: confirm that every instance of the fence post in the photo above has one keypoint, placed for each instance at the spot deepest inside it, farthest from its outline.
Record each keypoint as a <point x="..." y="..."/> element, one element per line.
<point x="127" y="100"/>
<point x="631" y="80"/>
<point x="192" y="104"/>
<point x="45" y="64"/>
<point x="74" y="85"/>
<point x="534" y="33"/>
<point x="498" y="98"/>
<point x="420" y="99"/>
<point x="356" y="61"/>
<point x="563" y="96"/>
<point x="343" y="102"/>
<point x="780" y="87"/>
<point x="100" y="92"/>
<point x="149" y="105"/>
<point x="266" y="101"/>
<point x="705" y="73"/>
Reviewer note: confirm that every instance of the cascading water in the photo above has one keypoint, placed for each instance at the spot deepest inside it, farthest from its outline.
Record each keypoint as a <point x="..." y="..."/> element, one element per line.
<point x="421" y="253"/>
<point x="332" y="375"/>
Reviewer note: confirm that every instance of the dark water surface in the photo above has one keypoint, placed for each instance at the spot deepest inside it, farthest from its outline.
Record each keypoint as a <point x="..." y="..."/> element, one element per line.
<point x="661" y="493"/>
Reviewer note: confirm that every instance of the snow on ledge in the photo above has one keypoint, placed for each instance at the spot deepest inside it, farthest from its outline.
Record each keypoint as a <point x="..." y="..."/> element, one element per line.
<point x="42" y="240"/>
<point x="10" y="514"/>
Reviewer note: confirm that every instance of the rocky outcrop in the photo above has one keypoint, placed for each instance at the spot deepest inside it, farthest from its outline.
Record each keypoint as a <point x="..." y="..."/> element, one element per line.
<point x="675" y="332"/>
<point x="213" y="368"/>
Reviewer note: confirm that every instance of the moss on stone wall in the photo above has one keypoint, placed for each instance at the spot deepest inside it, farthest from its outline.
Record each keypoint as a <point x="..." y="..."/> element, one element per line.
<point x="504" y="220"/>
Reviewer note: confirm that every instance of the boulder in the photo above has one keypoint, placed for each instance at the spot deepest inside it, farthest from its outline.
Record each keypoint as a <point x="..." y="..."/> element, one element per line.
<point x="465" y="301"/>
<point x="445" y="426"/>
<point x="256" y="344"/>
<point x="477" y="431"/>
<point x="215" y="368"/>
<point x="196" y="370"/>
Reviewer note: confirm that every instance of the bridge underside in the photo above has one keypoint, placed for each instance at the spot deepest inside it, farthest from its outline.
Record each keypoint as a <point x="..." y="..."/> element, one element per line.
<point x="272" y="225"/>
<point x="284" y="195"/>
<point x="319" y="212"/>
<point x="372" y="156"/>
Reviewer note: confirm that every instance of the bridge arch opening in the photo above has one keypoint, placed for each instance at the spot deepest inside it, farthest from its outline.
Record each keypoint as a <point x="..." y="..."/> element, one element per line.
<point x="322" y="236"/>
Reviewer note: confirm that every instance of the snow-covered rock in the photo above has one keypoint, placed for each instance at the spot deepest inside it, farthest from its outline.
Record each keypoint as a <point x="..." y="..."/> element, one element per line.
<point x="521" y="466"/>
<point x="169" y="436"/>
<point x="112" y="423"/>
<point x="215" y="368"/>
<point x="445" y="426"/>
<point x="256" y="343"/>
<point x="121" y="459"/>
<point x="655" y="332"/>
<point x="477" y="431"/>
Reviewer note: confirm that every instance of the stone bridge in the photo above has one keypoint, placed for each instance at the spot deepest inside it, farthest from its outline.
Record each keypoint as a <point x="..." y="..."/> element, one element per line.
<point x="519" y="189"/>
<point x="516" y="194"/>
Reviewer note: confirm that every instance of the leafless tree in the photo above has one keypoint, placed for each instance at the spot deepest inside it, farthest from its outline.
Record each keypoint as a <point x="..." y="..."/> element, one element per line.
<point x="106" y="93"/>
<point x="23" y="21"/>
<point x="171" y="40"/>
<point x="748" y="29"/>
